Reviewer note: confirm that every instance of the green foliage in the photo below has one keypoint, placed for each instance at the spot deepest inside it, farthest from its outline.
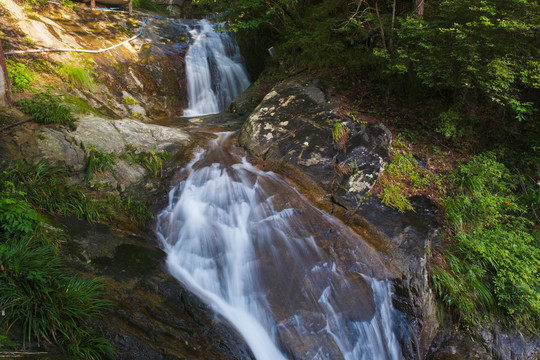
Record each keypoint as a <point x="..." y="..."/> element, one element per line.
<point x="151" y="161"/>
<point x="20" y="76"/>
<point x="394" y="195"/>
<point x="136" y="210"/>
<point x="77" y="76"/>
<point x="486" y="48"/>
<point x="36" y="292"/>
<point x="80" y="105"/>
<point x="130" y="101"/>
<point x="47" y="187"/>
<point x="46" y="108"/>
<point x="98" y="162"/>
<point x="340" y="135"/>
<point x="403" y="176"/>
<point x="150" y="5"/>
<point x="496" y="256"/>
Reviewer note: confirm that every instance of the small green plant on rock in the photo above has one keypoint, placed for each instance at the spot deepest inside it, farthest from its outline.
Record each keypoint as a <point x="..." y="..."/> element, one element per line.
<point x="403" y="177"/>
<point x="340" y="136"/>
<point x="151" y="161"/>
<point x="135" y="209"/>
<point x="97" y="162"/>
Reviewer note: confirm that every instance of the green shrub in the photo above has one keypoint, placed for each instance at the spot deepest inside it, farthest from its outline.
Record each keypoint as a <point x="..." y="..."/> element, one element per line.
<point x="495" y="257"/>
<point x="150" y="5"/>
<point x="46" y="108"/>
<point x="20" y="76"/>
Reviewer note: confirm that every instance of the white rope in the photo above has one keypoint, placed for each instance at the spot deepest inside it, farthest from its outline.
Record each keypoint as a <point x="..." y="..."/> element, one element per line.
<point x="84" y="50"/>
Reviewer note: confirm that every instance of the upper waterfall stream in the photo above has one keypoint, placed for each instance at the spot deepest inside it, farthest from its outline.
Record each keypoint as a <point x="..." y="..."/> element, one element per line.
<point x="215" y="71"/>
<point x="258" y="253"/>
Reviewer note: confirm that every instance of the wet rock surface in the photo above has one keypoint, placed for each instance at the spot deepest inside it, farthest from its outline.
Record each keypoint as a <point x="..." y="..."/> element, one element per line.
<point x="291" y="132"/>
<point x="153" y="316"/>
<point x="293" y="126"/>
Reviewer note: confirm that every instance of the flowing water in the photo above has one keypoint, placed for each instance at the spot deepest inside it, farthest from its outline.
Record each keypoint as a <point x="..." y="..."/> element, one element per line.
<point x="215" y="70"/>
<point x="263" y="257"/>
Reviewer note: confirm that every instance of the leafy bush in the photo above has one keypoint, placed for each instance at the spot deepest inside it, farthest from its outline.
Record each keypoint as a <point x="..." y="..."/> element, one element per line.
<point x="46" y="108"/>
<point x="494" y="261"/>
<point x="20" y="76"/>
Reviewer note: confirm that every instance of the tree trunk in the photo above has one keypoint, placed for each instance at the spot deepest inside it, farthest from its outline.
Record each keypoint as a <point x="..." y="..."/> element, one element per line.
<point x="5" y="86"/>
<point x="93" y="4"/>
<point x="418" y="7"/>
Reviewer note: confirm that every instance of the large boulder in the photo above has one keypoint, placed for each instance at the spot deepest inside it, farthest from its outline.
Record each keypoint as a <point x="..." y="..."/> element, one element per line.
<point x="33" y="142"/>
<point x="293" y="127"/>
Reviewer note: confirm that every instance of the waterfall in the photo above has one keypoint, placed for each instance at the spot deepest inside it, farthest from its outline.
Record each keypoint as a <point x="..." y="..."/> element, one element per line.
<point x="215" y="70"/>
<point x="250" y="246"/>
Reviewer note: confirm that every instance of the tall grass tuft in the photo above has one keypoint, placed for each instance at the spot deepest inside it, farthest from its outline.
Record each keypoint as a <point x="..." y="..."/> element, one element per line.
<point x="77" y="76"/>
<point x="46" y="108"/>
<point x="47" y="187"/>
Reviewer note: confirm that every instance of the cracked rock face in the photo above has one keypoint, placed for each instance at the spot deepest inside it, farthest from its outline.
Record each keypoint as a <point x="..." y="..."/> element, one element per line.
<point x="34" y="142"/>
<point x="293" y="125"/>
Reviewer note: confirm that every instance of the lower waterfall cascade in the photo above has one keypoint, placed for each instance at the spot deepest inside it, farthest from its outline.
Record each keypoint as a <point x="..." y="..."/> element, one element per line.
<point x="250" y="246"/>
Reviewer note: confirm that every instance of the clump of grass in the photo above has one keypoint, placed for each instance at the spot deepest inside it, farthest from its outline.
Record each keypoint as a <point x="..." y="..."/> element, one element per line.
<point x="77" y="76"/>
<point x="135" y="209"/>
<point x="493" y="263"/>
<point x="151" y="161"/>
<point x="97" y="162"/>
<point x="128" y="100"/>
<point x="20" y="76"/>
<point x="47" y="187"/>
<point x="36" y="292"/>
<point x="80" y="105"/>
<point x="46" y="108"/>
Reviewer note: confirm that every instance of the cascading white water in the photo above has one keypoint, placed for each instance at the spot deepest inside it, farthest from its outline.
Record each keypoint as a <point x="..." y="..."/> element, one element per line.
<point x="250" y="246"/>
<point x="214" y="69"/>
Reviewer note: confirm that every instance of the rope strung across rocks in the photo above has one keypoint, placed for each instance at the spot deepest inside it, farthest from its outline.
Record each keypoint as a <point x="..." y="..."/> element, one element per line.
<point x="84" y="50"/>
